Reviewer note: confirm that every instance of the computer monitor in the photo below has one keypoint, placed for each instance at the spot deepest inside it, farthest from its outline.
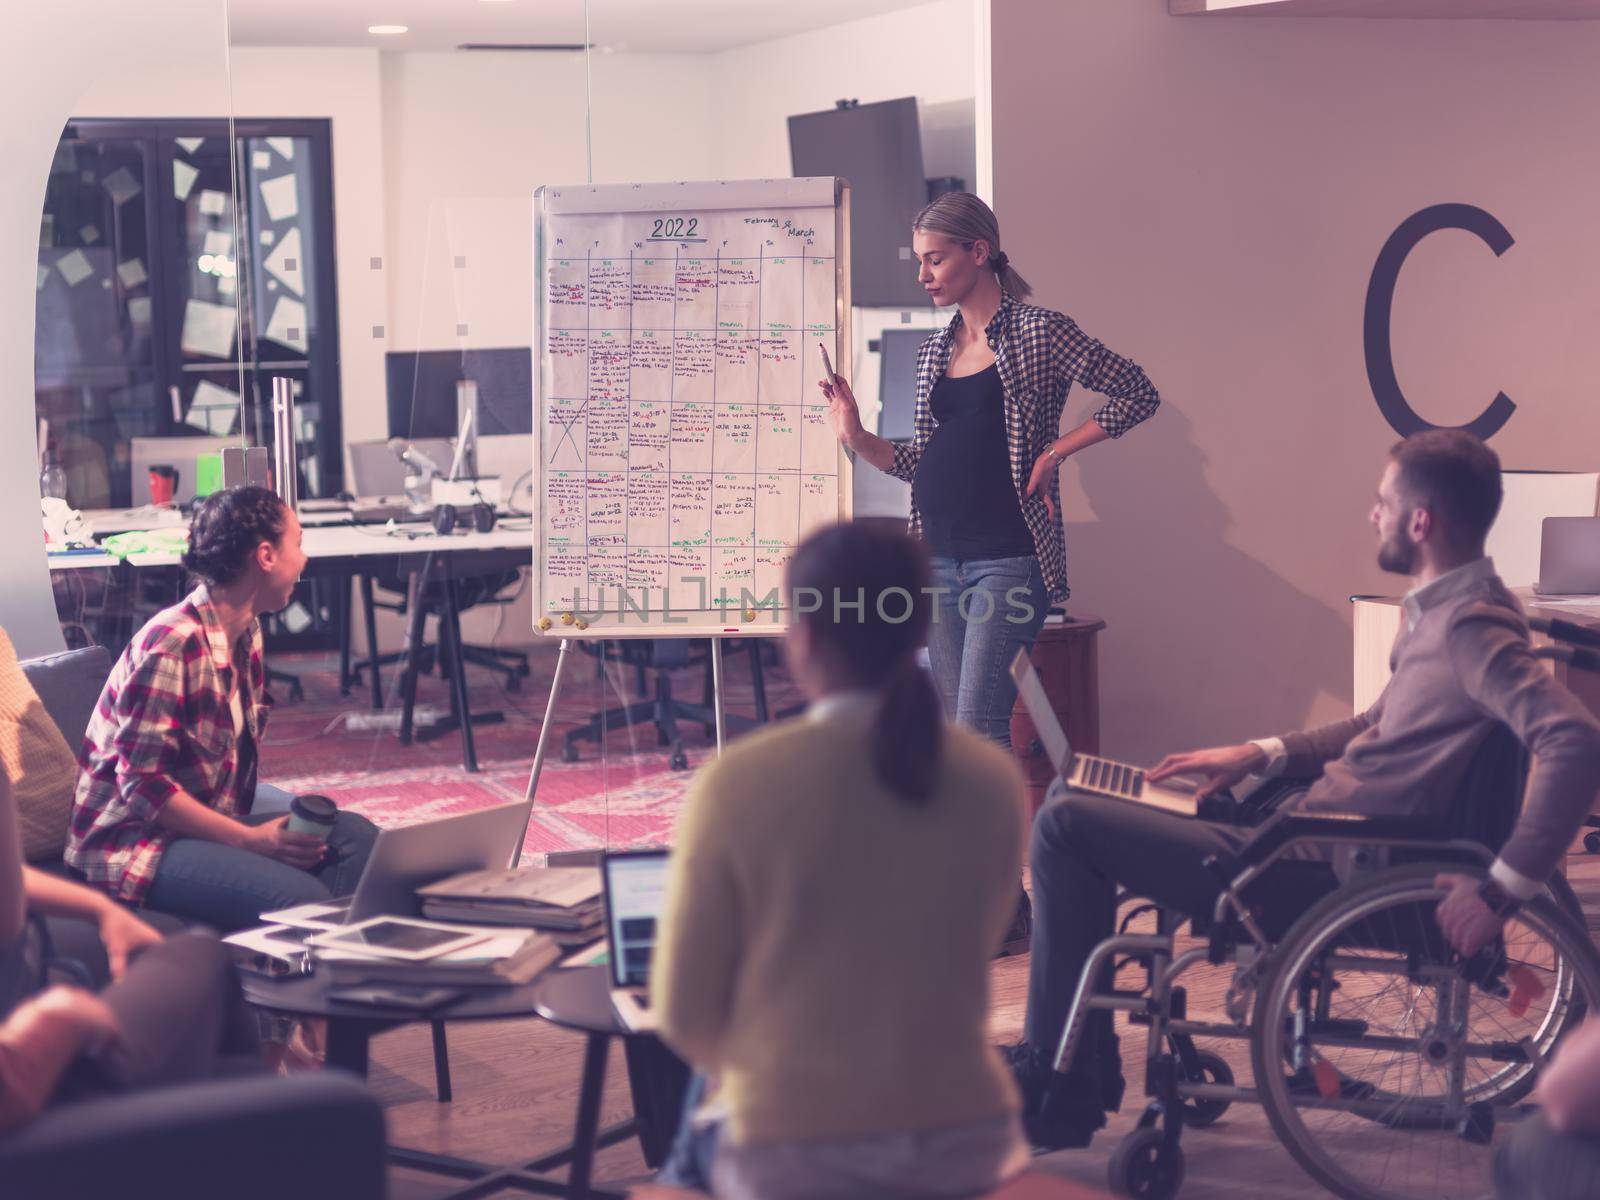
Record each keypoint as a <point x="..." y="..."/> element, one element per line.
<point x="423" y="398"/>
<point x="897" y="382"/>
<point x="878" y="148"/>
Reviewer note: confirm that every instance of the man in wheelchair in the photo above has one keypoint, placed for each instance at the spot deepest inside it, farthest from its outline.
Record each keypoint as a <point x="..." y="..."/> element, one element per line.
<point x="1462" y="668"/>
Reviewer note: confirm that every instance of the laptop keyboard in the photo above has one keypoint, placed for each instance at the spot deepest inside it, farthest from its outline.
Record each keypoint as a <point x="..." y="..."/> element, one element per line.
<point x="1108" y="777"/>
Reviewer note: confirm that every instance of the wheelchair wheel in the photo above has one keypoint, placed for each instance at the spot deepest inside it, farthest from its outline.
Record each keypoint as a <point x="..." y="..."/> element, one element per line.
<point x="1379" y="1057"/>
<point x="1144" y="1166"/>
<point x="1202" y="1111"/>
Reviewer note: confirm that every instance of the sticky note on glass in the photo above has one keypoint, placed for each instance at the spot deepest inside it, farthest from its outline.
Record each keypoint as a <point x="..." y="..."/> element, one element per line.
<point x="75" y="267"/>
<point x="281" y="197"/>
<point x="218" y="241"/>
<point x="183" y="177"/>
<point x="122" y="186"/>
<point x="287" y="325"/>
<point x="213" y="203"/>
<point x="283" y="264"/>
<point x="132" y="273"/>
<point x="208" y="329"/>
<point x="190" y="144"/>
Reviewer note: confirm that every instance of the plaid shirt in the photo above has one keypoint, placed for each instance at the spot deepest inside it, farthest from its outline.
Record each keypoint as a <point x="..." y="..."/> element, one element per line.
<point x="164" y="724"/>
<point x="1040" y="355"/>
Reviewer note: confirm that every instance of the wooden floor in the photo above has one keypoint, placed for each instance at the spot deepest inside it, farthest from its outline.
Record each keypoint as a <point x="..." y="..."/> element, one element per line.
<point x="516" y="1085"/>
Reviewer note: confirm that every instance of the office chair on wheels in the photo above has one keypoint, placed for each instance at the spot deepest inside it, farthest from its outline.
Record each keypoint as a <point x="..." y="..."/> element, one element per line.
<point x="662" y="709"/>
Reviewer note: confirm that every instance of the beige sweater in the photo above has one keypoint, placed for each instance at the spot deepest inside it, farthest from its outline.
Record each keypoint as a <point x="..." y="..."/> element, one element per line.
<point x="826" y="946"/>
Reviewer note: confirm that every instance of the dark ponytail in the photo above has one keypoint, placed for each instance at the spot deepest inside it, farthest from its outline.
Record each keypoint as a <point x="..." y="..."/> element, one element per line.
<point x="908" y="733"/>
<point x="863" y="594"/>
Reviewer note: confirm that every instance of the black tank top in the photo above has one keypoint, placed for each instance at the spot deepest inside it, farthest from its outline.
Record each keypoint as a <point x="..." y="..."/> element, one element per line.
<point x="963" y="487"/>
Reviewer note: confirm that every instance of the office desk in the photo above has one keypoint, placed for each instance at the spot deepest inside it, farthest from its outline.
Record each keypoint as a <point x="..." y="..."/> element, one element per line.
<point x="1377" y="623"/>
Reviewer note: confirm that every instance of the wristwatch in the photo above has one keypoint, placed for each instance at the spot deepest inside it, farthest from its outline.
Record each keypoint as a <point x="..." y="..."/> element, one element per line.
<point x="1501" y="902"/>
<point x="1051" y="451"/>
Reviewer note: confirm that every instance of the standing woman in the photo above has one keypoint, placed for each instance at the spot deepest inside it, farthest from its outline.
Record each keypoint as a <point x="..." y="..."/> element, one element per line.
<point x="984" y="462"/>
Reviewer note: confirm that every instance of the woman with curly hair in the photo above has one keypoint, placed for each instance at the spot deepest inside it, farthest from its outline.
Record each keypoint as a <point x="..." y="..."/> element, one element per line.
<point x="168" y="813"/>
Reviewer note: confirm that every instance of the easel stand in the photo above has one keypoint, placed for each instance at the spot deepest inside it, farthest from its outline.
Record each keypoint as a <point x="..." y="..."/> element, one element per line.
<point x="719" y="721"/>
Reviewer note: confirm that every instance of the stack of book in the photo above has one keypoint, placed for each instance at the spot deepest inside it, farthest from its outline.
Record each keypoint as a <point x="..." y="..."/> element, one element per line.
<point x="564" y="902"/>
<point x="503" y="957"/>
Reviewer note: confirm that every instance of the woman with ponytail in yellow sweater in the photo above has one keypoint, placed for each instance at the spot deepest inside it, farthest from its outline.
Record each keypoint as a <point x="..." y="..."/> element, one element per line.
<point x="838" y="887"/>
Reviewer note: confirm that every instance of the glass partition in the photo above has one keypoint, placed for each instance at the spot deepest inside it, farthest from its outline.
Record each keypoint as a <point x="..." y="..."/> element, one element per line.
<point x="136" y="310"/>
<point x="379" y="193"/>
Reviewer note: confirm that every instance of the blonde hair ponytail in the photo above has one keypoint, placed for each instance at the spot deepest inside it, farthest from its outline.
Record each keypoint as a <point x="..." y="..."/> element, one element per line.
<point x="967" y="219"/>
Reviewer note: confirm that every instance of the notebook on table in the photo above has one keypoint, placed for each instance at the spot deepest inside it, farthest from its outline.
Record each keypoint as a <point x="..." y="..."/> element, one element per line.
<point x="1090" y="772"/>
<point x="635" y="884"/>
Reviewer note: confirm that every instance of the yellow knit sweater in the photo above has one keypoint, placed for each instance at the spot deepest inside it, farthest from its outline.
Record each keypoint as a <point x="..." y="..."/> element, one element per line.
<point x="825" y="950"/>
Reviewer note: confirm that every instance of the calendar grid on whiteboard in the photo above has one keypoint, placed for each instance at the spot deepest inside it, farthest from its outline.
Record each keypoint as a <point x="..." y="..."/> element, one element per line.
<point x="701" y="473"/>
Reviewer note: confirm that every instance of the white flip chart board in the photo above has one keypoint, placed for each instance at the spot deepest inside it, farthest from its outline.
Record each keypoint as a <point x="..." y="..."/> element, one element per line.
<point x="682" y="447"/>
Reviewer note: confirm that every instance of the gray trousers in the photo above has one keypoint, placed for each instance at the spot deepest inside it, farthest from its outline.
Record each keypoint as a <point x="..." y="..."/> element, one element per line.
<point x="1084" y="847"/>
<point x="1536" y="1163"/>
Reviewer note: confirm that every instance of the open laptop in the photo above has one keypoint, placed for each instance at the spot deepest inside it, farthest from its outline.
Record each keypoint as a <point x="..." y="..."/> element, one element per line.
<point x="1569" y="557"/>
<point x="403" y="860"/>
<point x="1088" y="772"/>
<point x="635" y="891"/>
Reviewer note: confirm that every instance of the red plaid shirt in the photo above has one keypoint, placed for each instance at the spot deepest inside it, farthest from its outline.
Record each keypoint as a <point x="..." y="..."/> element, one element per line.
<point x="164" y="724"/>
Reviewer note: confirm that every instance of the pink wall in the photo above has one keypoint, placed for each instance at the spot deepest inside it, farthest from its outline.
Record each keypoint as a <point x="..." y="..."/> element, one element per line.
<point x="1208" y="195"/>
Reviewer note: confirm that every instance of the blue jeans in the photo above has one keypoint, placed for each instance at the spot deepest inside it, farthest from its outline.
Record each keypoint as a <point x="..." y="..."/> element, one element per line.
<point x="989" y="609"/>
<point x="229" y="889"/>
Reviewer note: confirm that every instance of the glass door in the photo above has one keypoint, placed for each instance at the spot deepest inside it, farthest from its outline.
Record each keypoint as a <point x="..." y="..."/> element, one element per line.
<point x="180" y="269"/>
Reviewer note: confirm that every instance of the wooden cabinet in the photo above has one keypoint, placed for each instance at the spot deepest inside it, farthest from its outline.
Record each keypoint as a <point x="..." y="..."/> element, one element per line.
<point x="1066" y="659"/>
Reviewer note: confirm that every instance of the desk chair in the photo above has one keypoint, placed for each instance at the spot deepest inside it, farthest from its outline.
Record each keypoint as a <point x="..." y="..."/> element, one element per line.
<point x="375" y="471"/>
<point x="663" y="709"/>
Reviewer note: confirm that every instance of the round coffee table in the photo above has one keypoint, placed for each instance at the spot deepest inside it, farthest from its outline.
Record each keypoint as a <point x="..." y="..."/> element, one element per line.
<point x="351" y="1028"/>
<point x="577" y="999"/>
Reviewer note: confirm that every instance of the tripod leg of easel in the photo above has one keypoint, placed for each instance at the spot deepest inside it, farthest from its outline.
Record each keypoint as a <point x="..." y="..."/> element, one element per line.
<point x="716" y="690"/>
<point x="538" y="754"/>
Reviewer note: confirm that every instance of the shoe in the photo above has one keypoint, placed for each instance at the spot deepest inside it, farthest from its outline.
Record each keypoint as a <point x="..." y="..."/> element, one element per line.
<point x="1057" y="1111"/>
<point x="1019" y="938"/>
<point x="1068" y="1117"/>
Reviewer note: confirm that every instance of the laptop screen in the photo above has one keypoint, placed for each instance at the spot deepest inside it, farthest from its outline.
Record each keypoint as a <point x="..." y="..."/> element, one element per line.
<point x="1051" y="736"/>
<point x="636" y="890"/>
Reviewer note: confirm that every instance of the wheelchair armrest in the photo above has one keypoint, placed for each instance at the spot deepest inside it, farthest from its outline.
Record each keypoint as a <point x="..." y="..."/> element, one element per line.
<point x="1283" y="827"/>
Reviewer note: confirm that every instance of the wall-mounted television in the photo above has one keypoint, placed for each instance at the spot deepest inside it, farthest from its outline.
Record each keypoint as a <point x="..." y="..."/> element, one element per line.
<point x="878" y="149"/>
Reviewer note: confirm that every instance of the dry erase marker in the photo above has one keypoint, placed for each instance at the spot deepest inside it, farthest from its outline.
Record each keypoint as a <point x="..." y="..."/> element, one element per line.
<point x="827" y="364"/>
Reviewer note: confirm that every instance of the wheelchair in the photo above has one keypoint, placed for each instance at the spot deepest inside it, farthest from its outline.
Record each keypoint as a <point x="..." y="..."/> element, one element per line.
<point x="1383" y="1060"/>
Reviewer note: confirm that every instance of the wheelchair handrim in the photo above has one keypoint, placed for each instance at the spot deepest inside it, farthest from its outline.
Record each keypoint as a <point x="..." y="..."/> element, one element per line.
<point x="1311" y="940"/>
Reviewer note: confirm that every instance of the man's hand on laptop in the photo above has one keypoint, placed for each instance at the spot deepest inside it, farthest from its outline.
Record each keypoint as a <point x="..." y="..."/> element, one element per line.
<point x="1221" y="767"/>
<point x="275" y="840"/>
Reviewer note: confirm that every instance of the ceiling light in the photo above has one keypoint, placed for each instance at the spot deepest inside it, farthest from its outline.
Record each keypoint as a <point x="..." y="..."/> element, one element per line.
<point x="386" y="28"/>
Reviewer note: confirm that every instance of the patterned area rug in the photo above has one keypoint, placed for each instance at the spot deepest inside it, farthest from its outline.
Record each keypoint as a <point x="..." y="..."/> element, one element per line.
<point x="620" y="796"/>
